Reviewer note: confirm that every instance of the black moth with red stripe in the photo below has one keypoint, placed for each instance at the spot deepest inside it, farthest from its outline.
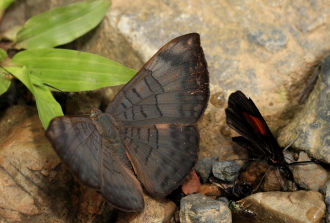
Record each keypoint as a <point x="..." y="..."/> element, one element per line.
<point x="244" y="117"/>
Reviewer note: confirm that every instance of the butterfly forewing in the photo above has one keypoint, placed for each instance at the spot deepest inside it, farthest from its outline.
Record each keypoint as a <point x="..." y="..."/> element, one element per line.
<point x="171" y="88"/>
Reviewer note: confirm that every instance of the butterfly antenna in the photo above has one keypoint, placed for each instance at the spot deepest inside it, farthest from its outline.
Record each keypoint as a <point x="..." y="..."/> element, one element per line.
<point x="71" y="96"/>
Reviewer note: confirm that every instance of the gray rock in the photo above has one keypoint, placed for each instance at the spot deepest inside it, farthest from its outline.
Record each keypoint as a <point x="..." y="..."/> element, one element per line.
<point x="197" y="208"/>
<point x="226" y="170"/>
<point x="284" y="207"/>
<point x="313" y="122"/>
<point x="309" y="176"/>
<point x="271" y="38"/>
<point x="309" y="15"/>
<point x="326" y="191"/>
<point x="204" y="167"/>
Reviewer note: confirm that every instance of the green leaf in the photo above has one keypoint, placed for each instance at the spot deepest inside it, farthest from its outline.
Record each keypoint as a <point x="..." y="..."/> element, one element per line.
<point x="5" y="3"/>
<point x="22" y="74"/>
<point x="48" y="107"/>
<point x="61" y="25"/>
<point x="71" y="70"/>
<point x="3" y="55"/>
<point x="4" y="81"/>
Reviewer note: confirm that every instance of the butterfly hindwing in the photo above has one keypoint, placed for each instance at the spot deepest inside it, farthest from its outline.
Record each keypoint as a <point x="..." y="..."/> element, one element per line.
<point x="95" y="161"/>
<point x="162" y="155"/>
<point x="120" y="186"/>
<point x="78" y="144"/>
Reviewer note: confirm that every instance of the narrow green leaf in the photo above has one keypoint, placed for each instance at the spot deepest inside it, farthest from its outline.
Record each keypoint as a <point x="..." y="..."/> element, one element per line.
<point x="3" y="55"/>
<point x="61" y="25"/>
<point x="48" y="108"/>
<point x="4" y="81"/>
<point x="71" y="70"/>
<point x="5" y="3"/>
<point x="22" y="74"/>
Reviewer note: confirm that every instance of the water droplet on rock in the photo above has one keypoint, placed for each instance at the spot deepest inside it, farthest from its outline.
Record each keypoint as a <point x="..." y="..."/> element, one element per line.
<point x="218" y="99"/>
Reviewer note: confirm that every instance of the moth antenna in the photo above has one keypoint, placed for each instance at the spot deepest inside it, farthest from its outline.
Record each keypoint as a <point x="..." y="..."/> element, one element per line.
<point x="288" y="146"/>
<point x="303" y="162"/>
<point x="71" y="96"/>
<point x="298" y="162"/>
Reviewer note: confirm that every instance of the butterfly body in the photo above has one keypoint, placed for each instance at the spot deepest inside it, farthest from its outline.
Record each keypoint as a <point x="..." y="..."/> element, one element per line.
<point x="147" y="136"/>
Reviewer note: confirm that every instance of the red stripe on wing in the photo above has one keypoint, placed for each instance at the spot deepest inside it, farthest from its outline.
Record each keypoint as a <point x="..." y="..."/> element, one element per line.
<point x="257" y="123"/>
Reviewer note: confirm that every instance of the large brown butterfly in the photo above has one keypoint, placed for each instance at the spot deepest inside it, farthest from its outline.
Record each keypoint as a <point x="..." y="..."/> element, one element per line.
<point x="147" y="133"/>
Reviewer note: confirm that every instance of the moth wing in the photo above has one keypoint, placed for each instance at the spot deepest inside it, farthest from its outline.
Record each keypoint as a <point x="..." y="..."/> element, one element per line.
<point x="243" y="116"/>
<point x="254" y="149"/>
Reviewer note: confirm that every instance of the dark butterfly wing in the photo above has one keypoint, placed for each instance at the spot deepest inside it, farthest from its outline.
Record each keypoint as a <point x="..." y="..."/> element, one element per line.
<point x="244" y="117"/>
<point x="173" y="87"/>
<point x="88" y="155"/>
<point x="162" y="155"/>
<point x="254" y="150"/>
